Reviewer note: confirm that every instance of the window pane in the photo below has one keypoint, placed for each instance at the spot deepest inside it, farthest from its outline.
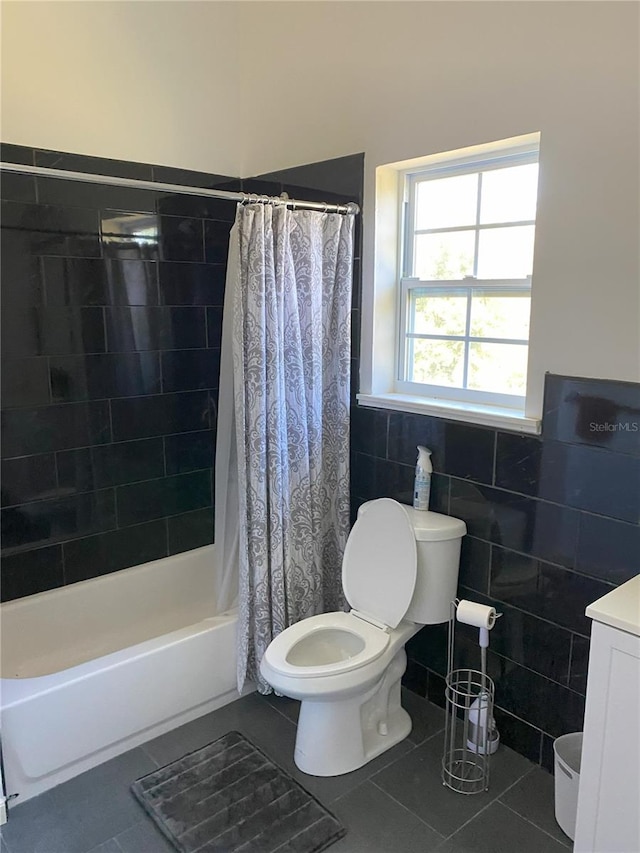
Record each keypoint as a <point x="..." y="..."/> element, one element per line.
<point x="506" y="252"/>
<point x="500" y="315"/>
<point x="436" y="362"/>
<point x="501" y="368"/>
<point x="438" y="314"/>
<point x="443" y="256"/>
<point x="447" y="202"/>
<point x="509" y="195"/>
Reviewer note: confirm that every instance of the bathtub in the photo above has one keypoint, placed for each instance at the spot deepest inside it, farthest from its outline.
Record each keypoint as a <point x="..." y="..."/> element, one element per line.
<point x="95" y="668"/>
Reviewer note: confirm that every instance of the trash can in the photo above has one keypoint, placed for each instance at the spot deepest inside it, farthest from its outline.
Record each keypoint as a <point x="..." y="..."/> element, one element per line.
<point x="568" y="752"/>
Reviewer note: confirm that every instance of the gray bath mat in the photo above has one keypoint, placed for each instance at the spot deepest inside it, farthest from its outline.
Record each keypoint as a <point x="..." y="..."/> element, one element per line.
<point x="228" y="796"/>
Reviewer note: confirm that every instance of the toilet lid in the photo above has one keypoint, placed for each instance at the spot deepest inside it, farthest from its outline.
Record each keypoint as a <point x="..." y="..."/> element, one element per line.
<point x="380" y="562"/>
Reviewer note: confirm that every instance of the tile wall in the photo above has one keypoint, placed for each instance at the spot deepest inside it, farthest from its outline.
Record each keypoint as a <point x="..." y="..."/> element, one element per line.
<point x="111" y="320"/>
<point x="553" y="524"/>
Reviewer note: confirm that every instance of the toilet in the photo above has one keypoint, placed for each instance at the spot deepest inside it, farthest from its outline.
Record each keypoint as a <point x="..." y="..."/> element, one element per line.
<point x="399" y="572"/>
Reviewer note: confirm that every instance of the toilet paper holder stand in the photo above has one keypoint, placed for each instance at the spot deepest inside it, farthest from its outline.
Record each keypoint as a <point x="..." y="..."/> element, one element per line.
<point x="471" y="736"/>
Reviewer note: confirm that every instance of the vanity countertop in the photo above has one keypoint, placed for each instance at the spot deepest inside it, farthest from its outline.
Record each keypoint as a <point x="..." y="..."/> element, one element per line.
<point x="619" y="608"/>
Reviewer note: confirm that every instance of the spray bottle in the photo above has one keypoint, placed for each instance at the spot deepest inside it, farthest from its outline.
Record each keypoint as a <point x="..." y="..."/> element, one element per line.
<point x="422" y="485"/>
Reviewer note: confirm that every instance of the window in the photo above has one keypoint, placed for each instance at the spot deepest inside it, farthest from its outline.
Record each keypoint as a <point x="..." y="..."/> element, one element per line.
<point x="465" y="287"/>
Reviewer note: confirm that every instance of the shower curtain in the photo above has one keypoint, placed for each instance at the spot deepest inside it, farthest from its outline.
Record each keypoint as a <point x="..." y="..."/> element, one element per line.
<point x="285" y="471"/>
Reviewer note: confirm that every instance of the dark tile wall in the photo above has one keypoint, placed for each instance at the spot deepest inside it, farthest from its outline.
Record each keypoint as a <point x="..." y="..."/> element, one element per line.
<point x="111" y="324"/>
<point x="553" y="524"/>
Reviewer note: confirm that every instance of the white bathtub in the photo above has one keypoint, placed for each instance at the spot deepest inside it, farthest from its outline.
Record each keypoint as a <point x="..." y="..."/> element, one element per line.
<point x="96" y="668"/>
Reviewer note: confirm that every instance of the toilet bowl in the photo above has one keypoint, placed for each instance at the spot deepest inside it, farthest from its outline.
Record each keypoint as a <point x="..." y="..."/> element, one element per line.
<point x="399" y="572"/>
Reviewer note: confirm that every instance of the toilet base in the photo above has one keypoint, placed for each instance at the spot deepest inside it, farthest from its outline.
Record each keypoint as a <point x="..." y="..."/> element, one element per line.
<point x="339" y="736"/>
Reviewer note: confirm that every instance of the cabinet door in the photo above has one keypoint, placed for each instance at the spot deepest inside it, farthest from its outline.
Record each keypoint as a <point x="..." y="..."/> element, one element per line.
<point x="609" y="798"/>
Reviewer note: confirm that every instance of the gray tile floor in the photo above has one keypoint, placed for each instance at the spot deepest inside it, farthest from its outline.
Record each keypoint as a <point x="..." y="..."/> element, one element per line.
<point x="396" y="804"/>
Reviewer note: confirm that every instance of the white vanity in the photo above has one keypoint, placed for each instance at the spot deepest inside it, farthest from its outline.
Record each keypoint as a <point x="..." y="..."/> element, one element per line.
<point x="609" y="796"/>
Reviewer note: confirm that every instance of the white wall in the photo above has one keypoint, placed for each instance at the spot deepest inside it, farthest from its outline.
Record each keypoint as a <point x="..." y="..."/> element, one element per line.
<point x="244" y="88"/>
<point x="153" y="82"/>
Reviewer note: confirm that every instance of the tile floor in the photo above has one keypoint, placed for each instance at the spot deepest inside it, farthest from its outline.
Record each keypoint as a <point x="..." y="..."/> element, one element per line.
<point x="396" y="804"/>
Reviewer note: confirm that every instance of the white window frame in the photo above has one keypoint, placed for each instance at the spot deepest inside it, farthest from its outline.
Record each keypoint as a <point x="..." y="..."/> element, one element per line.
<point x="464" y="286"/>
<point x="411" y="180"/>
<point x="380" y="385"/>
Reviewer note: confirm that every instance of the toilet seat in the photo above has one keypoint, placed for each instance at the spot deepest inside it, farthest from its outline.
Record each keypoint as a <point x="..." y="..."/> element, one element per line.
<point x="373" y="640"/>
<point x="380" y="563"/>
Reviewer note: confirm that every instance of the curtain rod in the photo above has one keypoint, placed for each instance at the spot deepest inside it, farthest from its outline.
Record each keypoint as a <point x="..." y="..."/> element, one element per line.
<point x="247" y="198"/>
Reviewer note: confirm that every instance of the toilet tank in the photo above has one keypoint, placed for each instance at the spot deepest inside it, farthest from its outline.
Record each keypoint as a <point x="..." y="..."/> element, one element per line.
<point x="438" y="539"/>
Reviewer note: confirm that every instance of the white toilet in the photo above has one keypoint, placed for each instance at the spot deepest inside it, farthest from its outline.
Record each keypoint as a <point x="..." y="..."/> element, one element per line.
<point x="400" y="572"/>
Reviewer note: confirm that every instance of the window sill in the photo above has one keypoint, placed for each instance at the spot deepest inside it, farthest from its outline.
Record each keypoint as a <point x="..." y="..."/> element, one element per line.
<point x="472" y="413"/>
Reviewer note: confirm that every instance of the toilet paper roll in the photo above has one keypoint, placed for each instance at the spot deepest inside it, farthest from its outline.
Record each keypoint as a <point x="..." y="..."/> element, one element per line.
<point x="472" y="613"/>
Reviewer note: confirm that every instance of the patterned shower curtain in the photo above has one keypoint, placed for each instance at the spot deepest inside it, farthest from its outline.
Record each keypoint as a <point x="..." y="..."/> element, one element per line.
<point x="291" y="369"/>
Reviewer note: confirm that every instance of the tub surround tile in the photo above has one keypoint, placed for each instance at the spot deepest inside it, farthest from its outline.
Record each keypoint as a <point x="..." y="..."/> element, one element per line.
<point x="181" y="238"/>
<point x="99" y="196"/>
<point x="139" y="328"/>
<point x="189" y="370"/>
<point x="93" y="165"/>
<point x="98" y="555"/>
<point x="201" y="207"/>
<point x="214" y="327"/>
<point x="189" y="451"/>
<point x="28" y="478"/>
<point x="190" y="530"/>
<point x="126" y="235"/>
<point x="10" y="153"/>
<point x="164" y="497"/>
<point x="191" y="178"/>
<point x="89" y="468"/>
<point x="600" y="412"/>
<point x="31" y="572"/>
<point x="160" y="414"/>
<point x="192" y="283"/>
<point x="343" y="175"/>
<point x="216" y="242"/>
<point x="111" y="375"/>
<point x="51" y="230"/>
<point x="25" y="382"/>
<point x="105" y="292"/>
<point x="86" y="281"/>
<point x="15" y="187"/>
<point x="49" y="428"/>
<point x="46" y="521"/>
